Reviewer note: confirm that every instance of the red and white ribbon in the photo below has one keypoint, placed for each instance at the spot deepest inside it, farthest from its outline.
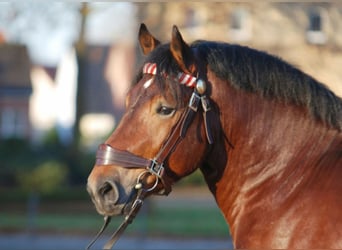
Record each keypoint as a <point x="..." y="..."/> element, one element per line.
<point x="150" y="68"/>
<point x="185" y="79"/>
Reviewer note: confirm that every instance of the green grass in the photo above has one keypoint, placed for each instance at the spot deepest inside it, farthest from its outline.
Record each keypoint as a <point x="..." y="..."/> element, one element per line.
<point x="188" y="221"/>
<point x="70" y="210"/>
<point x="177" y="222"/>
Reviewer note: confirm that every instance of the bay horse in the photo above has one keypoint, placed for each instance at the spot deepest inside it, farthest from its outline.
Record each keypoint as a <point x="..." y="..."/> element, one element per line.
<point x="266" y="136"/>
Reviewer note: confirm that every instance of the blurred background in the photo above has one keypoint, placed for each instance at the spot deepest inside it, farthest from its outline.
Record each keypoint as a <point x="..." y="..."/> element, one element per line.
<point x="65" y="68"/>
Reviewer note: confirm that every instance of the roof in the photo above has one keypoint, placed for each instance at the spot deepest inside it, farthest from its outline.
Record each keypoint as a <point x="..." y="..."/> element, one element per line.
<point x="14" y="70"/>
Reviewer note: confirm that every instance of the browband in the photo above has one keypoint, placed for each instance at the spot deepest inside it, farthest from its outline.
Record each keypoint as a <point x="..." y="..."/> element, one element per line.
<point x="185" y="79"/>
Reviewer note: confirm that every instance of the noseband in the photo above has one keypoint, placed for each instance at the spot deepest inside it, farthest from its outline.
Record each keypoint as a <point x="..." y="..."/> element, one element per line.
<point x="107" y="155"/>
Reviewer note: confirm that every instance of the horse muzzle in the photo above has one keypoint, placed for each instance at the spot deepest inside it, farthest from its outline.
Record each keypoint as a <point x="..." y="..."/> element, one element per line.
<point x="105" y="194"/>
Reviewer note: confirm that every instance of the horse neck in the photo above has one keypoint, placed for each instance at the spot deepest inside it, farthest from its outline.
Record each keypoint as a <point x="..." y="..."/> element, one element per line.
<point x="269" y="153"/>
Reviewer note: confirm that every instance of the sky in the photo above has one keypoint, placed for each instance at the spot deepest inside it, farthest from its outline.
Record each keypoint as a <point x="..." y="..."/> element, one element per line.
<point x="49" y="29"/>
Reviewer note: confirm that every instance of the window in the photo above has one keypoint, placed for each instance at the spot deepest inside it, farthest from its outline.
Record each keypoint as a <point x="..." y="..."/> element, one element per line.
<point x="12" y="123"/>
<point x="192" y="19"/>
<point x="240" y="26"/>
<point x="315" y="23"/>
<point x="317" y="20"/>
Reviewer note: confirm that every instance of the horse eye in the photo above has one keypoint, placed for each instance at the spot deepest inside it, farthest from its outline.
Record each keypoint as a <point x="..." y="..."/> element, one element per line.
<point x="163" y="110"/>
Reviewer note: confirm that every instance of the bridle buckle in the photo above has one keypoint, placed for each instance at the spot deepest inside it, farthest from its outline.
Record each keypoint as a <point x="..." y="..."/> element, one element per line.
<point x="194" y="101"/>
<point x="156" y="168"/>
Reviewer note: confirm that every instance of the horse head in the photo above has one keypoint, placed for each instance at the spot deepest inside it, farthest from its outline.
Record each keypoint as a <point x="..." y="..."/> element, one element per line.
<point x="160" y="138"/>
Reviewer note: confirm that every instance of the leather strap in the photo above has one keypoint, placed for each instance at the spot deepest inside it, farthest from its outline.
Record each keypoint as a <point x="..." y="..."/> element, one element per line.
<point x="107" y="220"/>
<point x="176" y="136"/>
<point x="138" y="202"/>
<point x="106" y="155"/>
<point x="206" y="108"/>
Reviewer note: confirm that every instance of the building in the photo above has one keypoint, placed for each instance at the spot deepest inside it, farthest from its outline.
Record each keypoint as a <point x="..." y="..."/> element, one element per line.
<point x="307" y="35"/>
<point x="105" y="76"/>
<point x="15" y="91"/>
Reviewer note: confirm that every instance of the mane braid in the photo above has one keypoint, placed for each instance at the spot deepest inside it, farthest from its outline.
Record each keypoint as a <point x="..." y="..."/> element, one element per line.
<point x="258" y="72"/>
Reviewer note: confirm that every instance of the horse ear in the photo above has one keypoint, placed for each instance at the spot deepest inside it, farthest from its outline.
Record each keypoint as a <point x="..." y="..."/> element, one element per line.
<point x="146" y="40"/>
<point x="181" y="52"/>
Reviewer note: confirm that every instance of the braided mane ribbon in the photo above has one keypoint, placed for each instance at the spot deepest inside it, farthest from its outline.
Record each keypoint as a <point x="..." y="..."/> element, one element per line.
<point x="185" y="79"/>
<point x="150" y="68"/>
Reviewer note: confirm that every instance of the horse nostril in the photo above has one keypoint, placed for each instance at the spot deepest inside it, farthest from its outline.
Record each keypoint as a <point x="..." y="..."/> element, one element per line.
<point x="106" y="188"/>
<point x="109" y="192"/>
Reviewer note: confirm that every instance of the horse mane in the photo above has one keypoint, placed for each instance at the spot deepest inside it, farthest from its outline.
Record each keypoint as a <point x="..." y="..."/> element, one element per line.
<point x="258" y="72"/>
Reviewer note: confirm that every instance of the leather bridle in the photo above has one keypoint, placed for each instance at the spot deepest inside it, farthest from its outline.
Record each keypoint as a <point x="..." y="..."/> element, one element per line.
<point x="107" y="155"/>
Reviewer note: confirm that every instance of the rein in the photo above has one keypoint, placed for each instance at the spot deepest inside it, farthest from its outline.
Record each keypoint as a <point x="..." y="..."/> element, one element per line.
<point x="107" y="155"/>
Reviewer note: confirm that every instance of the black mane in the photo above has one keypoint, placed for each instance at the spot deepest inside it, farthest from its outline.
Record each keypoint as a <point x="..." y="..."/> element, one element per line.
<point x="255" y="71"/>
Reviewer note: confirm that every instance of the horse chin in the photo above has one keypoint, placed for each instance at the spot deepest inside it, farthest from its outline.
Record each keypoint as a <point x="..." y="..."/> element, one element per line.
<point x="111" y="210"/>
